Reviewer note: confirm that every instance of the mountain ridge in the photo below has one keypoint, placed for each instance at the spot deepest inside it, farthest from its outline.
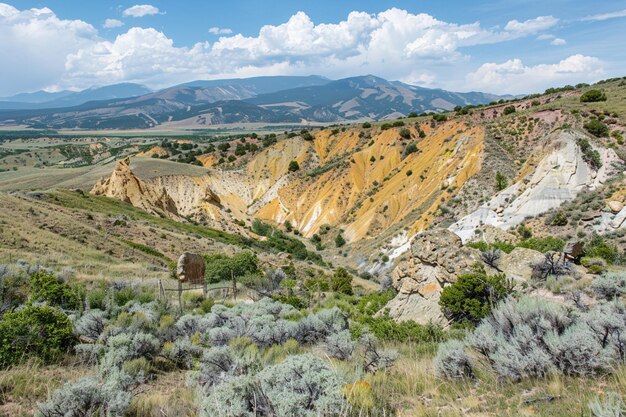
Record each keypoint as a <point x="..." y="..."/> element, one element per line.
<point x="205" y="103"/>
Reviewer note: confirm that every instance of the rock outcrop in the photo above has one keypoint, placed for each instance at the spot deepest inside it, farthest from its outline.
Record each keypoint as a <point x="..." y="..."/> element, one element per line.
<point x="124" y="185"/>
<point x="559" y="176"/>
<point x="436" y="258"/>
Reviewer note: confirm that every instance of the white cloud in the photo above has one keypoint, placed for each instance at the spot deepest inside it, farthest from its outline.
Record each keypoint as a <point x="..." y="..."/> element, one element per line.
<point x="47" y="52"/>
<point x="34" y="46"/>
<point x="553" y="39"/>
<point x="531" y="25"/>
<point x="112" y="23"/>
<point x="141" y="10"/>
<point x="420" y="78"/>
<point x="220" y="31"/>
<point x="514" y="77"/>
<point x="139" y="55"/>
<point x="606" y="16"/>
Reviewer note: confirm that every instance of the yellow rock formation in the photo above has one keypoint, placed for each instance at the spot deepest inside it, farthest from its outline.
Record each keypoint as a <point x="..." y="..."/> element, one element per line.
<point x="361" y="184"/>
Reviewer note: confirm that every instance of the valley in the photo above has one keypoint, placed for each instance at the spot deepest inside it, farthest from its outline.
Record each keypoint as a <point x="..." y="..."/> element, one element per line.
<point x="366" y="242"/>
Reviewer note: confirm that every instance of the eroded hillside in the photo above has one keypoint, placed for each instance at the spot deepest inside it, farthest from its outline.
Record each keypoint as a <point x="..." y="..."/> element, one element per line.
<point x="379" y="185"/>
<point x="368" y="182"/>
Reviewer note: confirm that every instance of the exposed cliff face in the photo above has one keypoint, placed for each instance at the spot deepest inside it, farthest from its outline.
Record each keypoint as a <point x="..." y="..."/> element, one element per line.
<point x="363" y="182"/>
<point x="559" y="175"/>
<point x="175" y="196"/>
<point x="436" y="258"/>
<point x="124" y="185"/>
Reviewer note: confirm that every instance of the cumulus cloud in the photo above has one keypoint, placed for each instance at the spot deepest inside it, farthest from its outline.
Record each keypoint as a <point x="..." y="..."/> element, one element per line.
<point x="112" y="23"/>
<point x="514" y="77"/>
<point x="140" y="55"/>
<point x="558" y="42"/>
<point x="532" y="25"/>
<point x="34" y="47"/>
<point x="606" y="16"/>
<point x="141" y="10"/>
<point x="395" y="44"/>
<point x="220" y="31"/>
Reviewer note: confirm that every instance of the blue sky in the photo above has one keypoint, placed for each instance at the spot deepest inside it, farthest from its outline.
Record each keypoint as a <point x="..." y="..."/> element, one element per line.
<point x="494" y="46"/>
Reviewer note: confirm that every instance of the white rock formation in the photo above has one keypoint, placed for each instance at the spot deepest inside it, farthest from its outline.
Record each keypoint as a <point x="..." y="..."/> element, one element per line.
<point x="558" y="178"/>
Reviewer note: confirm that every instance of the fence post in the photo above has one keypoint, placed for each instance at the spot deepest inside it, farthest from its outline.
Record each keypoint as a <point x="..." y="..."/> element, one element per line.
<point x="180" y="296"/>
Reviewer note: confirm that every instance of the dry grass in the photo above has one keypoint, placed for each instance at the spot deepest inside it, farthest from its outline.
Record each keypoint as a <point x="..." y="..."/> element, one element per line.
<point x="22" y="387"/>
<point x="412" y="389"/>
<point x="167" y="396"/>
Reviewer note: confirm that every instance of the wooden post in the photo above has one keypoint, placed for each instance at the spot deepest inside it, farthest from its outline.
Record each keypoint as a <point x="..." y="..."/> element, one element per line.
<point x="180" y="296"/>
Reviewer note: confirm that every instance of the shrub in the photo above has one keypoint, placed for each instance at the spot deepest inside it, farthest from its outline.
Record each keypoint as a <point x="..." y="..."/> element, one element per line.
<point x="501" y="181"/>
<point x="96" y="298"/>
<point x="554" y="264"/>
<point x="592" y="96"/>
<point x="125" y="347"/>
<point x="594" y="265"/>
<point x="559" y="219"/>
<point x="405" y="133"/>
<point x="440" y="117"/>
<point x="471" y="297"/>
<point x="491" y="257"/>
<point x="302" y="385"/>
<point x="411" y="148"/>
<point x="508" y="110"/>
<point x="236" y="397"/>
<point x="45" y="287"/>
<point x="375" y="359"/>
<point x="543" y="244"/>
<point x="609" y="286"/>
<point x="91" y="324"/>
<point x="590" y="155"/>
<point x="14" y="289"/>
<point x="599" y="248"/>
<point x="596" y="128"/>
<point x="406" y="331"/>
<point x="223" y="268"/>
<point x="34" y="331"/>
<point x="515" y="337"/>
<point x="89" y="397"/>
<point x="182" y="352"/>
<point x="220" y="364"/>
<point x="293" y="166"/>
<point x="578" y="351"/>
<point x="452" y="361"/>
<point x="341" y="282"/>
<point x="339" y="240"/>
<point x="531" y="337"/>
<point x="340" y="345"/>
<point x="367" y="125"/>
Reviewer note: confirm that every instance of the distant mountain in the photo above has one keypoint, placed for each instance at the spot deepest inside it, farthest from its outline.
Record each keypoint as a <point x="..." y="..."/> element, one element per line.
<point x="36" y="97"/>
<point x="264" y="85"/>
<point x="45" y="100"/>
<point x="366" y="97"/>
<point x="254" y="100"/>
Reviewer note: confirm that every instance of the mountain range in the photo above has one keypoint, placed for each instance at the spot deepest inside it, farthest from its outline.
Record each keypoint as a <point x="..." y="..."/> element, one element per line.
<point x="275" y="99"/>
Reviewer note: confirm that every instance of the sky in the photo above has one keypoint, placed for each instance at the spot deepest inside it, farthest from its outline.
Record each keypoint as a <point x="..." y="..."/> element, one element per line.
<point x="502" y="47"/>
